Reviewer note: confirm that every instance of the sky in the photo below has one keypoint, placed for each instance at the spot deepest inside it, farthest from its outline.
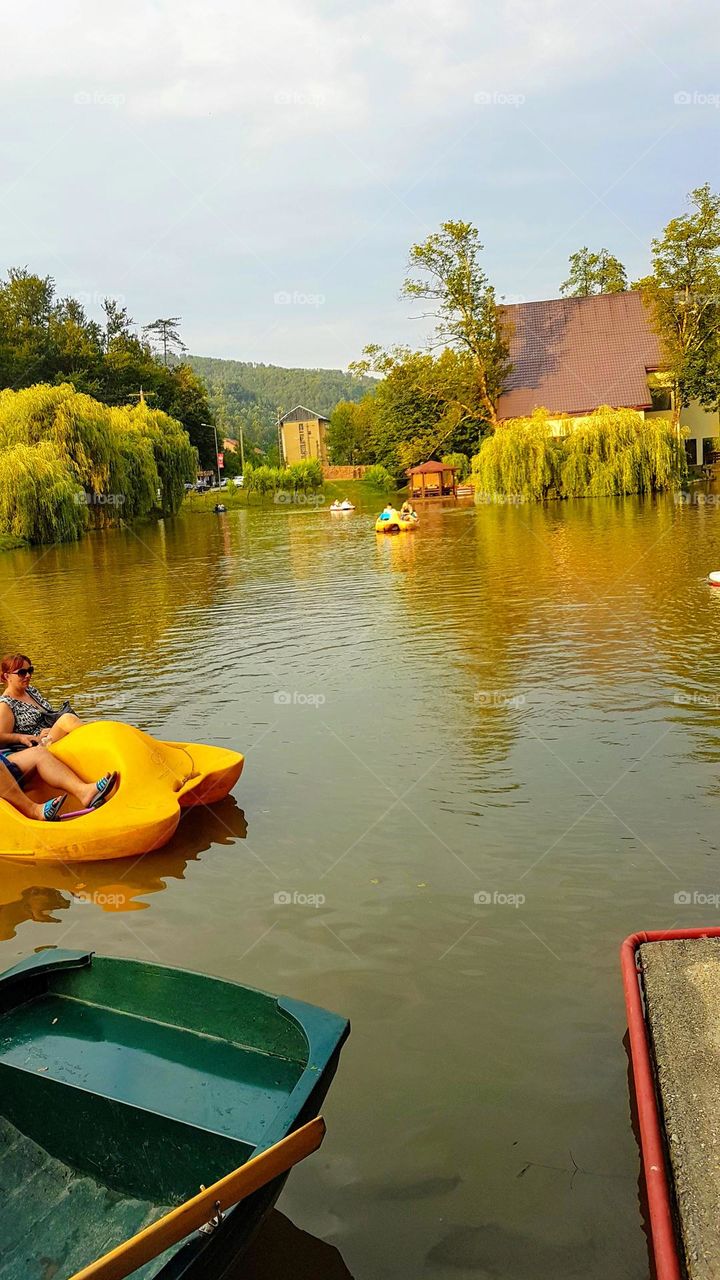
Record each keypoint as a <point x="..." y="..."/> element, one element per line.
<point x="262" y="170"/>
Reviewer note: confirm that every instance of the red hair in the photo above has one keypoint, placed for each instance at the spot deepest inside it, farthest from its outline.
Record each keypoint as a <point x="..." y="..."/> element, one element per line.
<point x="13" y="662"/>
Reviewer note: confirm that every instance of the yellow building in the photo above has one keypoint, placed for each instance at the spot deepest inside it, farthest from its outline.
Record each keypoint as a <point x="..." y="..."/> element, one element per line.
<point x="302" y="436"/>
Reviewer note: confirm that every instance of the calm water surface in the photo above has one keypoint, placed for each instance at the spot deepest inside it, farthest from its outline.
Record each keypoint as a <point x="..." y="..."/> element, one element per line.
<point x="513" y="701"/>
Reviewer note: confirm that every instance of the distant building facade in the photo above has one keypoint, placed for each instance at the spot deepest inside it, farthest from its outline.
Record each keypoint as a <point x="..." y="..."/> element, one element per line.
<point x="303" y="436"/>
<point x="571" y="355"/>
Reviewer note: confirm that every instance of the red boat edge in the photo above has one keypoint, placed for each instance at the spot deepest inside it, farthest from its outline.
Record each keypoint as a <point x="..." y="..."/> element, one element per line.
<point x="662" y="1225"/>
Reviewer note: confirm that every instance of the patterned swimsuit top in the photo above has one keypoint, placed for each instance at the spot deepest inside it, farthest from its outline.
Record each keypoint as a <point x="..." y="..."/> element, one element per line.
<point x="27" y="718"/>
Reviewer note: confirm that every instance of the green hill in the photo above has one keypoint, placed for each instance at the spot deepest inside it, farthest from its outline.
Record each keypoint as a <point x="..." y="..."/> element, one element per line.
<point x="250" y="395"/>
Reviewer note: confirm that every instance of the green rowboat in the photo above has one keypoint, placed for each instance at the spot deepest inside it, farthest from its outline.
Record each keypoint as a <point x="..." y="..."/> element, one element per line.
<point x="124" y="1087"/>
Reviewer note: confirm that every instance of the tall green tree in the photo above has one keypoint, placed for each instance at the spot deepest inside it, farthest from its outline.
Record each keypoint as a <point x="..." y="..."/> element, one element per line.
<point x="683" y="296"/>
<point x="425" y="406"/>
<point x="592" y="273"/>
<point x="463" y="305"/>
<point x="166" y="334"/>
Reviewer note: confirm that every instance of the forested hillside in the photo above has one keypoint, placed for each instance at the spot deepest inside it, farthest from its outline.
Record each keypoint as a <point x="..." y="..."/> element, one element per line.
<point x="251" y="394"/>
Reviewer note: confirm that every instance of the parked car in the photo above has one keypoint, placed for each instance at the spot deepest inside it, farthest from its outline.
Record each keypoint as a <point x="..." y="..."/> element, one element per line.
<point x="238" y="481"/>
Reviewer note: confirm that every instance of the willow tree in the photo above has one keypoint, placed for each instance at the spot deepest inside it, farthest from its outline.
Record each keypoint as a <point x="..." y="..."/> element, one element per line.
<point x="175" y="457"/>
<point x="39" y="497"/>
<point x="612" y="452"/>
<point x="69" y="461"/>
<point x="617" y="451"/>
<point x="518" y="462"/>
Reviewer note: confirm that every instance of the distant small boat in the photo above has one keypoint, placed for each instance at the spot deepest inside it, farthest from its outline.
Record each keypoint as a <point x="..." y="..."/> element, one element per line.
<point x="219" y="508"/>
<point x="125" y="1086"/>
<point x="714" y="579"/>
<point x="342" y="506"/>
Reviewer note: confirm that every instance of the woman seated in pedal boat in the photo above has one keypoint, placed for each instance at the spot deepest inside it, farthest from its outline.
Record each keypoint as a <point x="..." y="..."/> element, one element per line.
<point x="26" y="717"/>
<point x="16" y="768"/>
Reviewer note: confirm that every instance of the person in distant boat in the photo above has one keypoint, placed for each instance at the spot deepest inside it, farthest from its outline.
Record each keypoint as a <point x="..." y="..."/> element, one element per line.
<point x="17" y="767"/>
<point x="26" y="717"/>
<point x="407" y="512"/>
<point x="387" y="512"/>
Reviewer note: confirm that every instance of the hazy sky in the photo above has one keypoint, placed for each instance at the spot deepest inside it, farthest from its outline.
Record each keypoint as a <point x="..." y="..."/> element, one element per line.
<point x="261" y="169"/>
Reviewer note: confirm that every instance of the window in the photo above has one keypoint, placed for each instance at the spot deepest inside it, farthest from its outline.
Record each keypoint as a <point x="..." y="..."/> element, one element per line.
<point x="661" y="398"/>
<point x="691" y="452"/>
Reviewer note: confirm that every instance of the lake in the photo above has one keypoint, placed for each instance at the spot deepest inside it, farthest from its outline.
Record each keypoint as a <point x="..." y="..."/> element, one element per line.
<point x="477" y="757"/>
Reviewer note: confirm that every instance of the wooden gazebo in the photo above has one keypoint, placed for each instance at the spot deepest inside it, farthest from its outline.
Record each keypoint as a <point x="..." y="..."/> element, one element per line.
<point x="431" y="480"/>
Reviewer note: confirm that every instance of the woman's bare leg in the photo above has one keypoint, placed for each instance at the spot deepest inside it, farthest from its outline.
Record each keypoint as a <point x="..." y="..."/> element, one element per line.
<point x="61" y="728"/>
<point x="10" y="791"/>
<point x="54" y="772"/>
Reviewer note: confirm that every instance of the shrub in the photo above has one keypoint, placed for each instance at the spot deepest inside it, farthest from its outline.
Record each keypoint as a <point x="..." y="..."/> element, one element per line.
<point x="380" y="478"/>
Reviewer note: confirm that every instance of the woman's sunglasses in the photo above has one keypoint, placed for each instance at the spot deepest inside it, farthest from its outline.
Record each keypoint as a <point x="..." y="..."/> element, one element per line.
<point x="24" y="671"/>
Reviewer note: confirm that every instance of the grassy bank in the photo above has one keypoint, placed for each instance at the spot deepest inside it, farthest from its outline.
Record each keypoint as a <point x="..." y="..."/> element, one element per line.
<point x="8" y="542"/>
<point x="362" y="495"/>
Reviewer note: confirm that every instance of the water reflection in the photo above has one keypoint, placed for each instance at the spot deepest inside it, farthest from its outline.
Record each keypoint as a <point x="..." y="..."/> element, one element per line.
<point x="280" y="1240"/>
<point x="39" y="891"/>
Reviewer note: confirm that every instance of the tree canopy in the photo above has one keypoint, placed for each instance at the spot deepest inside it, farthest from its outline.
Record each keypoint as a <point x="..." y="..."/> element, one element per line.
<point x="44" y="338"/>
<point x="592" y="273"/>
<point x="683" y="296"/>
<point x="68" y="462"/>
<point x="462" y="303"/>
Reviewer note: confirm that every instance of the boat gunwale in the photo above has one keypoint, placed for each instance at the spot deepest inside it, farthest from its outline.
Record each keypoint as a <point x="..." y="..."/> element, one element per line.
<point x="653" y="1148"/>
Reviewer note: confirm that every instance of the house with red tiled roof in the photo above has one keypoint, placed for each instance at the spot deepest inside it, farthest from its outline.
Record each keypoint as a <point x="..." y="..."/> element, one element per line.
<point x="571" y="355"/>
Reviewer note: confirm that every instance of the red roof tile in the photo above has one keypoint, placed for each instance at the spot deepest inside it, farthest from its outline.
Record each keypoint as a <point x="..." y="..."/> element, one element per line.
<point x="428" y="468"/>
<point x="572" y="354"/>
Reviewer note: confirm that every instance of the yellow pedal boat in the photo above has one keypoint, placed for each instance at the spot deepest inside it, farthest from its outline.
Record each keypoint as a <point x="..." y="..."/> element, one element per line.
<point x="395" y="524"/>
<point x="157" y="780"/>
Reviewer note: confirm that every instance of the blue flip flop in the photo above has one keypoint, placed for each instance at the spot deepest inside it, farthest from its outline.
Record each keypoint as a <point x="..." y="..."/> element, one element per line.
<point x="103" y="787"/>
<point x="51" y="808"/>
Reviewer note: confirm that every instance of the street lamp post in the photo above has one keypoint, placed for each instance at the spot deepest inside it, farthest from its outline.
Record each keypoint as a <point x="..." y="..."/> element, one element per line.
<point x="217" y="451"/>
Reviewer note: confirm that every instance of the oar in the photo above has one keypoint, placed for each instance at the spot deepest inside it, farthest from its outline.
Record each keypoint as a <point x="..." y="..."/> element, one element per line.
<point x="194" y="1213"/>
